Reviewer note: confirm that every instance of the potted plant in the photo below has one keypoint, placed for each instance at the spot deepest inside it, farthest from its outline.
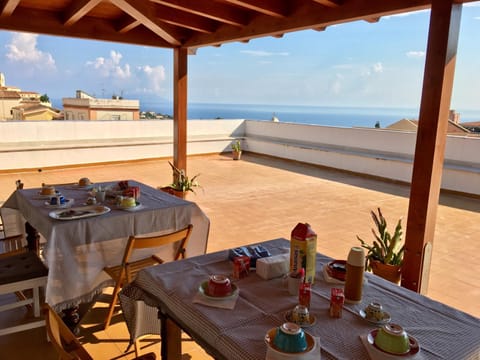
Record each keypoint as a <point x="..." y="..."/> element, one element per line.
<point x="182" y="184"/>
<point x="236" y="150"/>
<point x="385" y="254"/>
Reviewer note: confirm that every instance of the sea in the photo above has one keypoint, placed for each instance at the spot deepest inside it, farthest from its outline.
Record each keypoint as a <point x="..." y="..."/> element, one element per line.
<point x="319" y="115"/>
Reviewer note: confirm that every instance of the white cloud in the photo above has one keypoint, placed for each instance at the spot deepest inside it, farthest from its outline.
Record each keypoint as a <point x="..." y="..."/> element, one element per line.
<point x="111" y="67"/>
<point x="23" y="48"/>
<point x="415" y="54"/>
<point x="264" y="53"/>
<point x="477" y="17"/>
<point x="154" y="76"/>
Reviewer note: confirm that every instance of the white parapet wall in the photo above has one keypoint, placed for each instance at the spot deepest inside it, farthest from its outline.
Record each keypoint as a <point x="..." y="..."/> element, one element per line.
<point x="378" y="152"/>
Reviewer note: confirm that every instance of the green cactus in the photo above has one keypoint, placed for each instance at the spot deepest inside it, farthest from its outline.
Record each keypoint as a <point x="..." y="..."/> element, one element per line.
<point x="385" y="248"/>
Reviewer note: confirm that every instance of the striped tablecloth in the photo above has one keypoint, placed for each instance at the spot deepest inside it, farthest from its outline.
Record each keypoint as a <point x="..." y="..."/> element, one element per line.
<point x="443" y="332"/>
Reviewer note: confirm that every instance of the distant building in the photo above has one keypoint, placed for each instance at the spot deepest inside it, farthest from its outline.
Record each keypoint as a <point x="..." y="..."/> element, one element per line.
<point x="454" y="127"/>
<point x="87" y="107"/>
<point x="13" y="97"/>
<point x="36" y="111"/>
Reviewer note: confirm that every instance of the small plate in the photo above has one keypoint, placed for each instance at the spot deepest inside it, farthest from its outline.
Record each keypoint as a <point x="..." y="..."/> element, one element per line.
<point x="414" y="346"/>
<point x="68" y="203"/>
<point x="312" y="318"/>
<point x="203" y="290"/>
<point x="386" y="318"/>
<point x="41" y="196"/>
<point x="130" y="208"/>
<point x="79" y="212"/>
<point x="271" y="335"/>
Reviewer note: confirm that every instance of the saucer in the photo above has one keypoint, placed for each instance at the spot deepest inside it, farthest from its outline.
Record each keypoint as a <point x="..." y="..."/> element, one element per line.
<point x="312" y="318"/>
<point x="203" y="290"/>
<point x="414" y="346"/>
<point x="270" y="336"/>
<point x="68" y="203"/>
<point x="386" y="318"/>
<point x="130" y="208"/>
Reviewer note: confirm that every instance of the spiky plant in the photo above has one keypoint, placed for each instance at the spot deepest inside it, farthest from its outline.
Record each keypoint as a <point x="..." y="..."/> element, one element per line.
<point x="385" y="248"/>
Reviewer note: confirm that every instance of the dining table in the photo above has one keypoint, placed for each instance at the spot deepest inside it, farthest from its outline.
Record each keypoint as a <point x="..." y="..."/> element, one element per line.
<point x="78" y="248"/>
<point x="236" y="328"/>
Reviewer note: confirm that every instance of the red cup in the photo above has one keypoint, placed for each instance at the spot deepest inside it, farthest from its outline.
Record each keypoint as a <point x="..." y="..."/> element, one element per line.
<point x="219" y="286"/>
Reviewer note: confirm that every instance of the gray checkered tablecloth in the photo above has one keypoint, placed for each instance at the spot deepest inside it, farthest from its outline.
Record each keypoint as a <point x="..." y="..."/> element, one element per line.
<point x="443" y="332"/>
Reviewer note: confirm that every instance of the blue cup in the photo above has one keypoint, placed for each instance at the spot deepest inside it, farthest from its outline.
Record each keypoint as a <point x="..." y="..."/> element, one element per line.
<point x="290" y="338"/>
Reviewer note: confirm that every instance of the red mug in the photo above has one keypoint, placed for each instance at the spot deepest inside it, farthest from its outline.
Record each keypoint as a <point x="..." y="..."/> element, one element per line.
<point x="219" y="285"/>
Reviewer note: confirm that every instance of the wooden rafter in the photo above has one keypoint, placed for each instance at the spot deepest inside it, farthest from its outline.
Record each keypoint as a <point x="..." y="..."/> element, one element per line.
<point x="77" y="10"/>
<point x="185" y="19"/>
<point x="126" y="24"/>
<point x="225" y="14"/>
<point x="306" y="17"/>
<point x="268" y="7"/>
<point x="45" y="22"/>
<point x="329" y="3"/>
<point x="7" y="7"/>
<point x="143" y="11"/>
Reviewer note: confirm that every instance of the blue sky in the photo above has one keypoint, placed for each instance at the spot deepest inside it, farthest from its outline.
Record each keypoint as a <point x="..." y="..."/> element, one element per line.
<point x="356" y="64"/>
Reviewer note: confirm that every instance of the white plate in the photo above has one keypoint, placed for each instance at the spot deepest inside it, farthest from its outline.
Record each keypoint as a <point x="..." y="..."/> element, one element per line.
<point x="414" y="346"/>
<point x="41" y="196"/>
<point x="67" y="204"/>
<point x="312" y="318"/>
<point x="79" y="212"/>
<point x="130" y="208"/>
<point x="203" y="290"/>
<point x="386" y="318"/>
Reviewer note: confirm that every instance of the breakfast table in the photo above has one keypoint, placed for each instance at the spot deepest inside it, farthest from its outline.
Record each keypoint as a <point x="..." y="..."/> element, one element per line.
<point x="238" y="331"/>
<point x="78" y="248"/>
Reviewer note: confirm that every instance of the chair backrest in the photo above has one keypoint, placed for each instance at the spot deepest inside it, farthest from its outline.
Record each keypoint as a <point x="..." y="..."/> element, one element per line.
<point x="63" y="340"/>
<point x="181" y="237"/>
<point x="11" y="245"/>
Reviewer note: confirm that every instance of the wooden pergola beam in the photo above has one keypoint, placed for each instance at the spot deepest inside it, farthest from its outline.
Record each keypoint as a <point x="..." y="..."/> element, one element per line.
<point x="431" y="139"/>
<point x="180" y="77"/>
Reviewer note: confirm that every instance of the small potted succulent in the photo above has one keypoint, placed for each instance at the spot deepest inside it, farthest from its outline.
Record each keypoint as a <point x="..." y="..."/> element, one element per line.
<point x="385" y="254"/>
<point x="182" y="184"/>
<point x="236" y="150"/>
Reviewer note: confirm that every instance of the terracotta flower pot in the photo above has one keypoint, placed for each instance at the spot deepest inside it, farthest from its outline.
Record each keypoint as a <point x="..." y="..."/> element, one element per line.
<point x="172" y="191"/>
<point x="391" y="273"/>
<point x="236" y="155"/>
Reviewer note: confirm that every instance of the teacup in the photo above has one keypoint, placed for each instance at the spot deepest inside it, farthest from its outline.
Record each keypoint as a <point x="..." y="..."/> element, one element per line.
<point x="392" y="338"/>
<point x="219" y="285"/>
<point x="57" y="200"/>
<point x="374" y="311"/>
<point x="300" y="315"/>
<point x="290" y="338"/>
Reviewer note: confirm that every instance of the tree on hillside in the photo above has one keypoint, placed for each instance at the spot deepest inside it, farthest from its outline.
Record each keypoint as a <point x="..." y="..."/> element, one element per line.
<point x="44" y="98"/>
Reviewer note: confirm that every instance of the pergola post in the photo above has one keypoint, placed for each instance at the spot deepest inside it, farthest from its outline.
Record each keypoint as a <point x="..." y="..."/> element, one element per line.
<point x="180" y="75"/>
<point x="430" y="146"/>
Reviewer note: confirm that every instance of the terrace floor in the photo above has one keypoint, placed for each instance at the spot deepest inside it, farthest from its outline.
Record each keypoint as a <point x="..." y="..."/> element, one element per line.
<point x="260" y="198"/>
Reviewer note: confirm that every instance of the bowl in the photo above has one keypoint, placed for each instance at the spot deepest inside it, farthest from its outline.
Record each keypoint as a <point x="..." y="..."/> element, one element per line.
<point x="219" y="286"/>
<point x="337" y="269"/>
<point x="290" y="338"/>
<point x="392" y="338"/>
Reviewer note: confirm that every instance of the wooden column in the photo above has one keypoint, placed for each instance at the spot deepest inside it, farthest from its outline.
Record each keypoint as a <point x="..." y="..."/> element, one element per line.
<point x="430" y="146"/>
<point x="180" y="74"/>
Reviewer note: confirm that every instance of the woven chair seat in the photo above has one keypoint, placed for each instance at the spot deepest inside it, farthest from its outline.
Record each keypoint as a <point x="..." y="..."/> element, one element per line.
<point x="23" y="266"/>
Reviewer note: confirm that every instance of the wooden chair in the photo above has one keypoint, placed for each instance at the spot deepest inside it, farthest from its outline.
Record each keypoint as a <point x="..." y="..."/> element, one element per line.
<point x="66" y="344"/>
<point x="126" y="271"/>
<point x="21" y="270"/>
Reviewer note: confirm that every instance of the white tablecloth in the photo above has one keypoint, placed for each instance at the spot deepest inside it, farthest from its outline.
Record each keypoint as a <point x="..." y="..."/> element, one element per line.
<point x="77" y="250"/>
<point x="443" y="332"/>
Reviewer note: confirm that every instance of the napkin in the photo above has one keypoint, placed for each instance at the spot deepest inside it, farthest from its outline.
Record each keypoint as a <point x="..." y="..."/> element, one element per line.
<point x="222" y="304"/>
<point x="314" y="354"/>
<point x="376" y="354"/>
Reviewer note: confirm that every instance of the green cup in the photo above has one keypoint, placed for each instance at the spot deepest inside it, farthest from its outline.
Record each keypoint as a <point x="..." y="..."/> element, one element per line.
<point x="392" y="338"/>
